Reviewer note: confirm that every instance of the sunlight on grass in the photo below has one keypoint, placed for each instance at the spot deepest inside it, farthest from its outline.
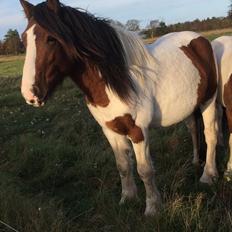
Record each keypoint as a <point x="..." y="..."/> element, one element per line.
<point x="11" y="66"/>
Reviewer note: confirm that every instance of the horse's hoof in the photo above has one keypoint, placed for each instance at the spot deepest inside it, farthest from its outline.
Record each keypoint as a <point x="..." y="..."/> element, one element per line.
<point x="122" y="201"/>
<point x="208" y="179"/>
<point x="228" y="175"/>
<point x="150" y="212"/>
<point x="152" y="207"/>
<point x="128" y="197"/>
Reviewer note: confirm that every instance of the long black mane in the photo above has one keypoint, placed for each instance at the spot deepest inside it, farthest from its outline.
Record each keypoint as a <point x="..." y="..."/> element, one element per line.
<point x="86" y="37"/>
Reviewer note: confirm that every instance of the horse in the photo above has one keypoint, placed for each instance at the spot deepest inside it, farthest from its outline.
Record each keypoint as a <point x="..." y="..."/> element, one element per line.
<point x="222" y="47"/>
<point x="128" y="87"/>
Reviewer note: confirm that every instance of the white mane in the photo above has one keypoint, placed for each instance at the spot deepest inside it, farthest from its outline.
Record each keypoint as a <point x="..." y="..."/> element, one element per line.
<point x="138" y="57"/>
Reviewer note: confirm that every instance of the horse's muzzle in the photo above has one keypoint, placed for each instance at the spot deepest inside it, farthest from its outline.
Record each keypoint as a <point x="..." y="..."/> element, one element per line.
<point x="35" y="102"/>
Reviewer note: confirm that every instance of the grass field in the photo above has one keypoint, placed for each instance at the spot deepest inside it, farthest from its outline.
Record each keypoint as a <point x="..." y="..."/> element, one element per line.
<point x="58" y="174"/>
<point x="211" y="35"/>
<point x="11" y="66"/>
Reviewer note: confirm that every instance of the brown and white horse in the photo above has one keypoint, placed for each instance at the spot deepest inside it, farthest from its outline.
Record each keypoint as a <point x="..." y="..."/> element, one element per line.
<point x="222" y="47"/>
<point x="128" y="87"/>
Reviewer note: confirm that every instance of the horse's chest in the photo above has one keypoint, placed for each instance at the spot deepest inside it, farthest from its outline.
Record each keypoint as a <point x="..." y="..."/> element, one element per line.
<point x="118" y="118"/>
<point x="114" y="109"/>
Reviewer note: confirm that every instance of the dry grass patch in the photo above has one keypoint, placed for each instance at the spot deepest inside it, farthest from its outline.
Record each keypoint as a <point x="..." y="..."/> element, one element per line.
<point x="11" y="58"/>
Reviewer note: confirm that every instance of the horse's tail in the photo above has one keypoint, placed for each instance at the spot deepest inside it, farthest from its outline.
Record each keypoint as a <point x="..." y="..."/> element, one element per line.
<point x="201" y="144"/>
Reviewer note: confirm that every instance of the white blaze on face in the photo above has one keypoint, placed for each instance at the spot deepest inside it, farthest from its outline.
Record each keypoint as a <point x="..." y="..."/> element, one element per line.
<point x="28" y="79"/>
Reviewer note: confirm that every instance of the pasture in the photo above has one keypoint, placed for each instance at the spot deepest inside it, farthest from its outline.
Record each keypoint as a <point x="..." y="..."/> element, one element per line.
<point x="57" y="171"/>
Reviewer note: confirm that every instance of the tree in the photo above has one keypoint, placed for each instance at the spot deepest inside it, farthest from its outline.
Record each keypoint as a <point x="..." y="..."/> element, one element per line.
<point x="12" y="43"/>
<point x="230" y="10"/>
<point x="162" y="29"/>
<point x="133" y="25"/>
<point x="153" y="25"/>
<point x="1" y="48"/>
<point x="116" y="23"/>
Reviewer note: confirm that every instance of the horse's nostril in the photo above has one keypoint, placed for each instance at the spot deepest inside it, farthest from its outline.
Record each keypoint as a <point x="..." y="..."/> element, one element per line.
<point x="32" y="101"/>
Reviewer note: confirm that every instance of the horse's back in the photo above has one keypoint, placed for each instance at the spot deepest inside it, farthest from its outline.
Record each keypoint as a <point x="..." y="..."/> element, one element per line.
<point x="172" y="40"/>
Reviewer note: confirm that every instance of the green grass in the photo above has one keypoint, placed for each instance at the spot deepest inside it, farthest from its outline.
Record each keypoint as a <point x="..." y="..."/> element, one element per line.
<point x="11" y="66"/>
<point x="214" y="36"/>
<point x="57" y="172"/>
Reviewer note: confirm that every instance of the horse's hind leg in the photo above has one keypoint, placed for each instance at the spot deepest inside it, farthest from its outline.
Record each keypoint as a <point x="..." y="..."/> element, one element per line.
<point x="146" y="173"/>
<point x="210" y="124"/>
<point x="219" y="121"/>
<point x="228" y="172"/>
<point x="192" y="127"/>
<point x="122" y="151"/>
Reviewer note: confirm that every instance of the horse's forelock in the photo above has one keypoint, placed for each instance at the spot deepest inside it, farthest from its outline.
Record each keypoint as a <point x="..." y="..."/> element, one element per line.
<point x="53" y="24"/>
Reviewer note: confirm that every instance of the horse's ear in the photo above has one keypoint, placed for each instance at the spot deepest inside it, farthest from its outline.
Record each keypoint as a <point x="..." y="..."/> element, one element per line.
<point x="54" y="5"/>
<point x="27" y="7"/>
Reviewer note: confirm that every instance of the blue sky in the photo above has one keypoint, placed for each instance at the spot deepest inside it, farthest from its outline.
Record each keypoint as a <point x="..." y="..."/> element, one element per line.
<point x="170" y="11"/>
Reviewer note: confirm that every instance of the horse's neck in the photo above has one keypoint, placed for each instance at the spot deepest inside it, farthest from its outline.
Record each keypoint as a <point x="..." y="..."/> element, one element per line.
<point x="141" y="64"/>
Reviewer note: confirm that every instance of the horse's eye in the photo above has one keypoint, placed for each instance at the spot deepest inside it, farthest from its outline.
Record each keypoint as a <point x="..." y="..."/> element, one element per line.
<point x="51" y="40"/>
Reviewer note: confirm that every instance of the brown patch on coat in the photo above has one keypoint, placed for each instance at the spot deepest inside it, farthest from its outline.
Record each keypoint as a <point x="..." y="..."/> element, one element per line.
<point x="227" y="97"/>
<point x="125" y="125"/>
<point x="200" y="52"/>
<point x="93" y="86"/>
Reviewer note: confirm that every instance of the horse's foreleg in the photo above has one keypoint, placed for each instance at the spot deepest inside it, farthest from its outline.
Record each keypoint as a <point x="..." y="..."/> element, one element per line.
<point x="122" y="151"/>
<point x="210" y="124"/>
<point x="146" y="173"/>
<point x="192" y="127"/>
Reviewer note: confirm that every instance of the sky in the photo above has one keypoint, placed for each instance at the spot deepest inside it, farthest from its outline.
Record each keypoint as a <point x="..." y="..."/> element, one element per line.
<point x="169" y="11"/>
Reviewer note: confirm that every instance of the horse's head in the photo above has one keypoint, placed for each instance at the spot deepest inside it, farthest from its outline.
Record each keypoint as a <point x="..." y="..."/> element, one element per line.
<point x="46" y="63"/>
<point x="63" y="41"/>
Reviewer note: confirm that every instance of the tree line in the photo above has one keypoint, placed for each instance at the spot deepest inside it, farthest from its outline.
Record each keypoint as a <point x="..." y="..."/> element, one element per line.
<point x="156" y="28"/>
<point x="196" y="25"/>
<point x="11" y="44"/>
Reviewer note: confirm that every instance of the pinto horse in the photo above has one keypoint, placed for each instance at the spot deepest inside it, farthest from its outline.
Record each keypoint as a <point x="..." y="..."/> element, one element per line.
<point x="222" y="47"/>
<point x="128" y="88"/>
